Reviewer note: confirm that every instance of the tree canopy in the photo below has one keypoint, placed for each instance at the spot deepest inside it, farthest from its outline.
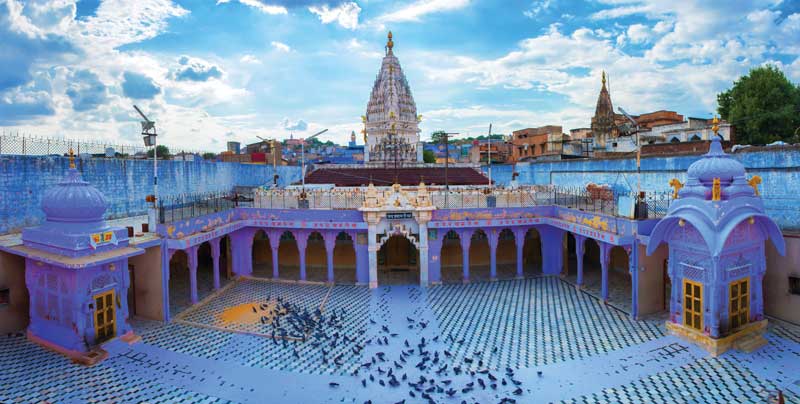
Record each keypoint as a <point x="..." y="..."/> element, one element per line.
<point x="428" y="156"/>
<point x="163" y="152"/>
<point x="763" y="106"/>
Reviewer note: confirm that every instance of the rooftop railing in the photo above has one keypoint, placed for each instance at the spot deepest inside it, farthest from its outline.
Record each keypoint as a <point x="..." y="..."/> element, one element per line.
<point x="597" y="200"/>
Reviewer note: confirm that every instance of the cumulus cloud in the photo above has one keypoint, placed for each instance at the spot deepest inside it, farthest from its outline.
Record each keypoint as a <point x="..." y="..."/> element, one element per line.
<point x="536" y="8"/>
<point x="281" y="46"/>
<point x="299" y="125"/>
<point x="85" y="90"/>
<point x="420" y="8"/>
<point x="135" y="85"/>
<point x="30" y="101"/>
<point x="194" y="69"/>
<point x="263" y="7"/>
<point x="345" y="14"/>
<point x="120" y="22"/>
<point x="250" y="60"/>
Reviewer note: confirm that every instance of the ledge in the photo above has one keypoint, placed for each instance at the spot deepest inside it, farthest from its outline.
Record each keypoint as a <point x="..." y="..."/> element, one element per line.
<point x="715" y="346"/>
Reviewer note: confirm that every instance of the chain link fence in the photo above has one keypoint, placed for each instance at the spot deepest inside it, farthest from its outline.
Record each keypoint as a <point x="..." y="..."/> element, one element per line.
<point x="27" y="145"/>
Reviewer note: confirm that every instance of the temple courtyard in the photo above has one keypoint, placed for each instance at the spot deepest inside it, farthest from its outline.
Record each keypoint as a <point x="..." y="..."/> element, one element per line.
<point x="538" y="339"/>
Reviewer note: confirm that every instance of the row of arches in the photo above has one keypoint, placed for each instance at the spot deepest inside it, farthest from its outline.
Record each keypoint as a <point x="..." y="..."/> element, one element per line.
<point x="478" y="258"/>
<point x="314" y="254"/>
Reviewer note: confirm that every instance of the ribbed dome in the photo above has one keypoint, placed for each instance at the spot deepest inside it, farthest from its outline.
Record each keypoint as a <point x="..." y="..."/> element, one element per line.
<point x="716" y="164"/>
<point x="74" y="200"/>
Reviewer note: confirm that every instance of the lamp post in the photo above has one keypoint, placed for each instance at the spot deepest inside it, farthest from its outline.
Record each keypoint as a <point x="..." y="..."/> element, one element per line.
<point x="149" y="136"/>
<point x="446" y="140"/>
<point x="272" y="143"/>
<point x="303" y="155"/>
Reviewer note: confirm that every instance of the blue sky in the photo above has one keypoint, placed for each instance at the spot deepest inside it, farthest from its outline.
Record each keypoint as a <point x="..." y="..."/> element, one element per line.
<point x="209" y="71"/>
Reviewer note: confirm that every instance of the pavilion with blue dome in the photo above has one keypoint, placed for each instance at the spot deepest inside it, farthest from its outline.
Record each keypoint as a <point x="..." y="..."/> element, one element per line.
<point x="716" y="230"/>
<point x="76" y="272"/>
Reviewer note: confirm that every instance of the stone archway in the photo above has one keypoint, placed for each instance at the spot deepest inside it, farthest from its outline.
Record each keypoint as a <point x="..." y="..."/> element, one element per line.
<point x="398" y="261"/>
<point x="619" y="278"/>
<point x="506" y="255"/>
<point x="316" y="258"/>
<point x="532" y="253"/>
<point x="288" y="257"/>
<point x="179" y="279"/>
<point x="479" y="256"/>
<point x="451" y="258"/>
<point x="344" y="259"/>
<point x="262" y="255"/>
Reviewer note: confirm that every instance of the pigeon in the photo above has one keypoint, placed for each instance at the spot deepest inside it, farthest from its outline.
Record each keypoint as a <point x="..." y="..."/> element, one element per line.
<point x="518" y="391"/>
<point x="332" y="384"/>
<point x="364" y="382"/>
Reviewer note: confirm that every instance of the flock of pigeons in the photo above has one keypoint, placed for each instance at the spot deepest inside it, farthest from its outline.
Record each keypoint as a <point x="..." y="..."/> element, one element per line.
<point x="423" y="367"/>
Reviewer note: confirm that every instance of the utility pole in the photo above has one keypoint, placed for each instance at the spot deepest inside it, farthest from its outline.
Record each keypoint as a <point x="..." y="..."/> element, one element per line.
<point x="303" y="155"/>
<point x="446" y="140"/>
<point x="489" y="157"/>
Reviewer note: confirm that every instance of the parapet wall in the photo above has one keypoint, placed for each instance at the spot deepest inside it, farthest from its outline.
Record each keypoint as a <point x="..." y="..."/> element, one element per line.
<point x="125" y="183"/>
<point x="779" y="169"/>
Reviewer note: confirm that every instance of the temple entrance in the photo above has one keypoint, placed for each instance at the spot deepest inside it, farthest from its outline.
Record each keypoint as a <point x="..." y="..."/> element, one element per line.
<point x="398" y="262"/>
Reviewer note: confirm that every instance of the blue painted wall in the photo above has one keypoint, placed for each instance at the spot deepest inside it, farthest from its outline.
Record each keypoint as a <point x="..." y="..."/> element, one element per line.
<point x="779" y="170"/>
<point x="125" y="183"/>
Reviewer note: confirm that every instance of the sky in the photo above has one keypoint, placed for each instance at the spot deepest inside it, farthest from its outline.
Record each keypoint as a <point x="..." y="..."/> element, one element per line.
<point x="212" y="71"/>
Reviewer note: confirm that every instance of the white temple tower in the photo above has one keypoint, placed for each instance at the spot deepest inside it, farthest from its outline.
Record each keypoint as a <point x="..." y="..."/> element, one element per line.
<point x="391" y="122"/>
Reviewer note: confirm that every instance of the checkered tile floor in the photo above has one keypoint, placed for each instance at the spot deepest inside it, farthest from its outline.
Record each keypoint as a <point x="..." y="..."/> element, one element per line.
<point x="529" y="324"/>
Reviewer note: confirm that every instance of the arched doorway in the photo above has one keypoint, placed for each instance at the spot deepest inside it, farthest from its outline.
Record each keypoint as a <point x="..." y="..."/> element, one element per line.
<point x="451" y="258"/>
<point x="205" y="270"/>
<point x="532" y="254"/>
<point x="571" y="257"/>
<point x="288" y="257"/>
<point x="592" y="271"/>
<point x="619" y="279"/>
<point x="179" y="291"/>
<point x="262" y="255"/>
<point x="344" y="260"/>
<point x="479" y="256"/>
<point x="316" y="258"/>
<point x="398" y="262"/>
<point x="506" y="255"/>
<point x="225" y="262"/>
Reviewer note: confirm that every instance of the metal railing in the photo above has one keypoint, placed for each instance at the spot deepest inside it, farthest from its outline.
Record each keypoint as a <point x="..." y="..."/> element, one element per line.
<point x="27" y="145"/>
<point x="187" y="206"/>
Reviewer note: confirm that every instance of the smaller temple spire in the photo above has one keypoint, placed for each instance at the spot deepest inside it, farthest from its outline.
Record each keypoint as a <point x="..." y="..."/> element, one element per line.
<point x="71" y="159"/>
<point x="604" y="79"/>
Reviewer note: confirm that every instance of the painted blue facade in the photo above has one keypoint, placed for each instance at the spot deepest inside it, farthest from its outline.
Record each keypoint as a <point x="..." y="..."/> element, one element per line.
<point x="24" y="179"/>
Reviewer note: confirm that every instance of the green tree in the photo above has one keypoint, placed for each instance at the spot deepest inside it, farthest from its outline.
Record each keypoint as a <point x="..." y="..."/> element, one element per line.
<point x="163" y="152"/>
<point x="438" y="136"/>
<point x="764" y="106"/>
<point x="209" y="156"/>
<point x="428" y="156"/>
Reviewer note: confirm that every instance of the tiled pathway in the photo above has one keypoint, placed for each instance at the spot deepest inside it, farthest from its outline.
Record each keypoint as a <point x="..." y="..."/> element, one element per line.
<point x="480" y="340"/>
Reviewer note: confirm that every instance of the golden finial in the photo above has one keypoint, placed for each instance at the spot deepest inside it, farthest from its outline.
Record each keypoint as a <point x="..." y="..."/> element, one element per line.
<point x="390" y="44"/>
<point x="715" y="125"/>
<point x="71" y="159"/>
<point x="604" y="79"/>
<point x="716" y="190"/>
<point x="754" y="181"/>
<point x="677" y="185"/>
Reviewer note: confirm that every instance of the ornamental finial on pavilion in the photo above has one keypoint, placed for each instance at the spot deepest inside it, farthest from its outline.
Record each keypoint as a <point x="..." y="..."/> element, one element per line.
<point x="604" y="79"/>
<point x="389" y="43"/>
<point x="71" y="159"/>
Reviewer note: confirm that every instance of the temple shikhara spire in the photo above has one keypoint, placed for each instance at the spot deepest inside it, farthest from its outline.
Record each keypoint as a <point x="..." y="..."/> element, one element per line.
<point x="392" y="124"/>
<point x="603" y="121"/>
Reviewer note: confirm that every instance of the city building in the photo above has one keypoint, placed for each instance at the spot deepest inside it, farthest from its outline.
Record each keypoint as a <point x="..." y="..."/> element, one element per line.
<point x="533" y="143"/>
<point x="234" y="147"/>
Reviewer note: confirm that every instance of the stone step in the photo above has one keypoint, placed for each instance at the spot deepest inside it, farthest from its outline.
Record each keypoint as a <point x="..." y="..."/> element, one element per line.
<point x="749" y="343"/>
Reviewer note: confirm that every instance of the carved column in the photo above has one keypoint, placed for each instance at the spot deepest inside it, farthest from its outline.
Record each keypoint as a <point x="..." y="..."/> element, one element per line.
<point x="519" y="240"/>
<point x="373" y="254"/>
<point x="466" y="238"/>
<point x="714" y="296"/>
<point x="423" y="253"/>
<point x="494" y="238"/>
<point x="302" y="242"/>
<point x="580" y="244"/>
<point x="274" y="244"/>
<point x="435" y="260"/>
<point x="633" y="269"/>
<point x="330" y="245"/>
<point x="362" y="260"/>
<point x="215" y="258"/>
<point x="191" y="253"/>
<point x="605" y="257"/>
